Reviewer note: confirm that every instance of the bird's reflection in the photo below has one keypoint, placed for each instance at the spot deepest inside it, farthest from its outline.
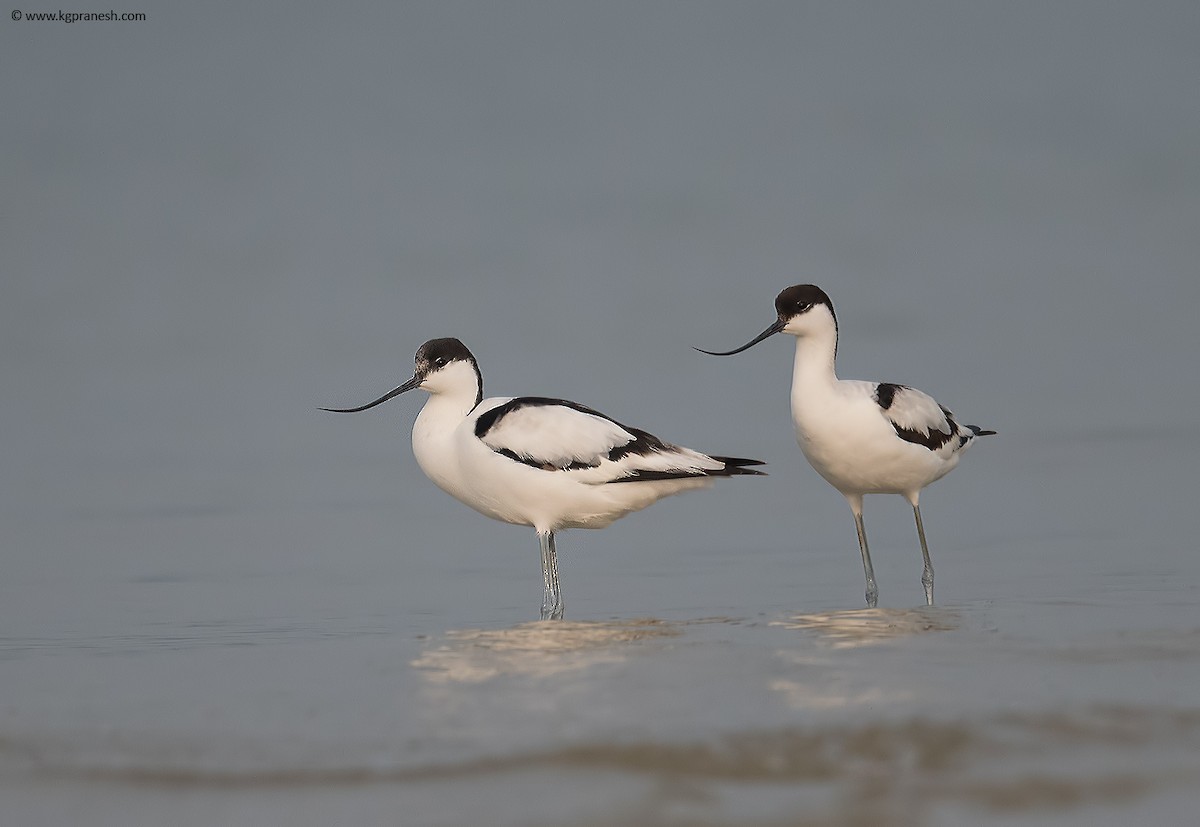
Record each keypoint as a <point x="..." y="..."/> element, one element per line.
<point x="537" y="649"/>
<point x="867" y="627"/>
<point x="822" y="677"/>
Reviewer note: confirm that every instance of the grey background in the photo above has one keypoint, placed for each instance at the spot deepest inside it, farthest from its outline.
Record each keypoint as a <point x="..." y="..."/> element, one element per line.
<point x="222" y="217"/>
<point x="218" y="219"/>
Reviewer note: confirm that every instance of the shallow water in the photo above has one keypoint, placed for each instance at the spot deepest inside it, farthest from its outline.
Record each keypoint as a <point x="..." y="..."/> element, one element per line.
<point x="220" y="605"/>
<point x="1039" y="711"/>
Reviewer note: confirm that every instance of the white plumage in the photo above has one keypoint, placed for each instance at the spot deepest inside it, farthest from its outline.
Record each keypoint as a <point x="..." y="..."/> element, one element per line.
<point x="546" y="463"/>
<point x="862" y="437"/>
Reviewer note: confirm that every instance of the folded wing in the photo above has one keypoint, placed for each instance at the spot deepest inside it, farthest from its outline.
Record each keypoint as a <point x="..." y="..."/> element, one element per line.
<point x="561" y="436"/>
<point x="916" y="416"/>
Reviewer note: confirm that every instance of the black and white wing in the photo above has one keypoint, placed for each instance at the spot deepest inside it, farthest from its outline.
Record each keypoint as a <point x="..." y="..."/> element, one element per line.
<point x="918" y="418"/>
<point x="564" y="436"/>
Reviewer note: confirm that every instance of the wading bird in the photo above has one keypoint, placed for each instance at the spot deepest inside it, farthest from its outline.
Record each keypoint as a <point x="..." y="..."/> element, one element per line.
<point x="546" y="463"/>
<point x="862" y="437"/>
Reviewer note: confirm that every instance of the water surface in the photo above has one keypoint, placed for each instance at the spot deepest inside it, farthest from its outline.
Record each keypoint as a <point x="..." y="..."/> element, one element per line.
<point x="220" y="605"/>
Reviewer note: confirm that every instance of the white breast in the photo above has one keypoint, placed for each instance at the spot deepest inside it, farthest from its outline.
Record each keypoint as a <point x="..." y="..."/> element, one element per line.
<point x="846" y="438"/>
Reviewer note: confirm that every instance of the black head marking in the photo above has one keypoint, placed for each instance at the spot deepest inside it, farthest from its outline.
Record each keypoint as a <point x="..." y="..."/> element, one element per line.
<point x="800" y="298"/>
<point x="792" y="302"/>
<point x="437" y="353"/>
<point x="431" y="357"/>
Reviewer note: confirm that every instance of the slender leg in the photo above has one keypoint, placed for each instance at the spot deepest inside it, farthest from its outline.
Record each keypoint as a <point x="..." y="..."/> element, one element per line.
<point x="552" y="603"/>
<point x="868" y="569"/>
<point x="927" y="576"/>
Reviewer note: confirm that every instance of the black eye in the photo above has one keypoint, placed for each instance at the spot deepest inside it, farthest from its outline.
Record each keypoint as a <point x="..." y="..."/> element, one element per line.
<point x="440" y="361"/>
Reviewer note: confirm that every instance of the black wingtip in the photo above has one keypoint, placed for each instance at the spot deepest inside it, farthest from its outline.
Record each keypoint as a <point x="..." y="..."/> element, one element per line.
<point x="657" y="476"/>
<point x="735" y="466"/>
<point x="739" y="462"/>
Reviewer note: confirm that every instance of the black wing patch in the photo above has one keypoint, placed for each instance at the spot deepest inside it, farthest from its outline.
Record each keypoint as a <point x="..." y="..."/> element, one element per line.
<point x="545" y="466"/>
<point x="734" y="467"/>
<point x="934" y="438"/>
<point x="885" y="394"/>
<point x="489" y="420"/>
<point x="613" y="443"/>
<point x="922" y="424"/>
<point x="641" y="444"/>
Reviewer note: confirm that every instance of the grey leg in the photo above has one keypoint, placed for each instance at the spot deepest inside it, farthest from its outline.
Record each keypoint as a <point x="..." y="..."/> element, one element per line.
<point x="927" y="576"/>
<point x="552" y="603"/>
<point x="868" y="569"/>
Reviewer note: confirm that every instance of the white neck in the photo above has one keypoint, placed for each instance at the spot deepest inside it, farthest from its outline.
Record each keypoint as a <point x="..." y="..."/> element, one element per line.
<point x="444" y="411"/>
<point x="814" y="363"/>
<point x="453" y="393"/>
